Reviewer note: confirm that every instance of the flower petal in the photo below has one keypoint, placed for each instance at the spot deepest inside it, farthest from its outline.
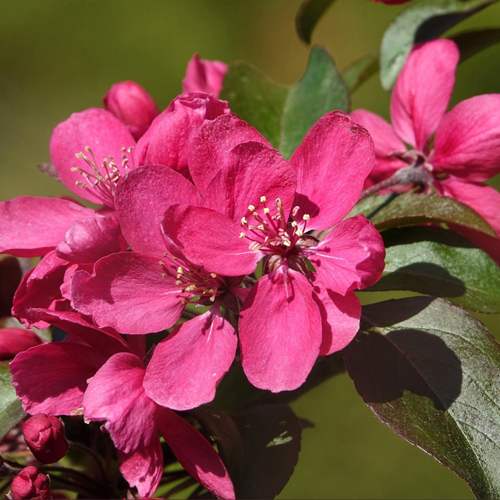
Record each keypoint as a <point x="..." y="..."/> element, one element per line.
<point x="210" y="239"/>
<point x="91" y="238"/>
<point x="280" y="331"/>
<point x="187" y="366"/>
<point x="167" y="141"/>
<point x="195" y="454"/>
<point x="341" y="316"/>
<point x="332" y="164"/>
<point x="93" y="128"/>
<point x="423" y="90"/>
<point x="143" y="468"/>
<point x="204" y="75"/>
<point x="115" y="394"/>
<point x="468" y="139"/>
<point x="33" y="225"/>
<point x="350" y="257"/>
<point x="210" y="147"/>
<point x="51" y="378"/>
<point x="129" y="293"/>
<point x="14" y="340"/>
<point x="141" y="201"/>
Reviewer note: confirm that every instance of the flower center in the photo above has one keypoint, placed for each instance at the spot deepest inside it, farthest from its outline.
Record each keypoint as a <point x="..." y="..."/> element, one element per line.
<point x="101" y="179"/>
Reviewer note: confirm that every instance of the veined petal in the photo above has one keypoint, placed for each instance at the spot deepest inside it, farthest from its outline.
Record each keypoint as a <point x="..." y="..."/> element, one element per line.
<point x="115" y="395"/>
<point x="51" y="378"/>
<point x="91" y="238"/>
<point x="129" y="293"/>
<point x="93" y="128"/>
<point x="187" y="365"/>
<point x="350" y="257"/>
<point x="204" y="75"/>
<point x="340" y="316"/>
<point x="210" y="239"/>
<point x="333" y="162"/>
<point x="195" y="454"/>
<point x="167" y="140"/>
<point x="33" y="225"/>
<point x="423" y="90"/>
<point x="468" y="139"/>
<point x="280" y="331"/>
<point x="141" y="201"/>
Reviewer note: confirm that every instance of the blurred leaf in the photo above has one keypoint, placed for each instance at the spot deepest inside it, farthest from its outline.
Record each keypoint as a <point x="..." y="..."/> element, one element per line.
<point x="320" y="90"/>
<point x="256" y="99"/>
<point x="413" y="209"/>
<point x="472" y="42"/>
<point x="442" y="264"/>
<point x="260" y="446"/>
<point x="431" y="372"/>
<point x="284" y="114"/>
<point x="10" y="407"/>
<point x="421" y="21"/>
<point x="359" y="71"/>
<point x="308" y="15"/>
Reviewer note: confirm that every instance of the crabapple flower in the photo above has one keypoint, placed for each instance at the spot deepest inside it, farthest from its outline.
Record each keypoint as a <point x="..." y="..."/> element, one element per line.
<point x="204" y="75"/>
<point x="14" y="340"/>
<point x="261" y="207"/>
<point x="44" y="435"/>
<point x="460" y="149"/>
<point x="30" y="483"/>
<point x="101" y="374"/>
<point x="132" y="105"/>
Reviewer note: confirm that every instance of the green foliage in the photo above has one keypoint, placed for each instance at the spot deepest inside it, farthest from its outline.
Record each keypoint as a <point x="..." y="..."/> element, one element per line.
<point x="283" y="115"/>
<point x="474" y="41"/>
<point x="359" y="71"/>
<point x="431" y="372"/>
<point x="308" y="15"/>
<point x="10" y="407"/>
<point x="441" y="264"/>
<point x="413" y="209"/>
<point x="421" y="21"/>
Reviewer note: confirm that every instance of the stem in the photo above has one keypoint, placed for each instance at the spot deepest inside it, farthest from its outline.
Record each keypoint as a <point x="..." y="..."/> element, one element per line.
<point x="93" y="454"/>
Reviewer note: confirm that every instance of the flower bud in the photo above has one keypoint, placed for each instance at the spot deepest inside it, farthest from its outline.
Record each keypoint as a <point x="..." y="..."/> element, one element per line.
<point x="30" y="483"/>
<point x="14" y="340"/>
<point x="44" y="435"/>
<point x="204" y="75"/>
<point x="132" y="105"/>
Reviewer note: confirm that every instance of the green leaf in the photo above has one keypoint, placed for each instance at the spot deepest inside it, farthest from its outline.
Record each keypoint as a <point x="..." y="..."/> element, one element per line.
<point x="359" y="71"/>
<point x="442" y="264"/>
<point x="474" y="41"/>
<point x="413" y="209"/>
<point x="421" y="21"/>
<point x="256" y="99"/>
<point x="320" y="90"/>
<point x="284" y="114"/>
<point x="10" y="407"/>
<point x="431" y="372"/>
<point x="308" y="15"/>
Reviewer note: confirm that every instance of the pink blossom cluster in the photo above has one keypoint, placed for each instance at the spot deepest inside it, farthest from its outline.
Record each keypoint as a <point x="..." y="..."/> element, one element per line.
<point x="200" y="230"/>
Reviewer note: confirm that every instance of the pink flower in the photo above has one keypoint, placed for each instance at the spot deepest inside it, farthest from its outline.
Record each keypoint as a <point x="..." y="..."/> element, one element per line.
<point x="30" y="483"/>
<point x="204" y="75"/>
<point x="44" y="434"/>
<point x="460" y="149"/>
<point x="132" y="105"/>
<point x="103" y="374"/>
<point x="259" y="206"/>
<point x="14" y="340"/>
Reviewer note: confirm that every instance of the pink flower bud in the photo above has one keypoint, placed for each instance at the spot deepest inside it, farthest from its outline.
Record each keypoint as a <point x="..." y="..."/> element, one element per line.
<point x="132" y="105"/>
<point x="45" y="437"/>
<point x="30" y="483"/>
<point x="14" y="340"/>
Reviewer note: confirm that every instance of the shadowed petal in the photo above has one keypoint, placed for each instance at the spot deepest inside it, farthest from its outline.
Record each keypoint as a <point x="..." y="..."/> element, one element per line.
<point x="14" y="340"/>
<point x="280" y="331"/>
<point x="187" y="366"/>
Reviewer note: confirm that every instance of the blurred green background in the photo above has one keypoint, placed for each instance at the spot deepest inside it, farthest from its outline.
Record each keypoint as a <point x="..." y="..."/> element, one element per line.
<point x="60" y="56"/>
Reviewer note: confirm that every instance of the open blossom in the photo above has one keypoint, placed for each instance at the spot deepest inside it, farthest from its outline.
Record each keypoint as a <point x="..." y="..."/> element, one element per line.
<point x="460" y="149"/>
<point x="257" y="206"/>
<point x="204" y="75"/>
<point x="101" y="373"/>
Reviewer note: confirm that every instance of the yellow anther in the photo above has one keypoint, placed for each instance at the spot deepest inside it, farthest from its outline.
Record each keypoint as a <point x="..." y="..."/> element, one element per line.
<point x="261" y="227"/>
<point x="251" y="208"/>
<point x="190" y="288"/>
<point x="213" y="275"/>
<point x="262" y="199"/>
<point x="306" y="217"/>
<point x="242" y="234"/>
<point x="244" y="221"/>
<point x="266" y="211"/>
<point x="180" y="270"/>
